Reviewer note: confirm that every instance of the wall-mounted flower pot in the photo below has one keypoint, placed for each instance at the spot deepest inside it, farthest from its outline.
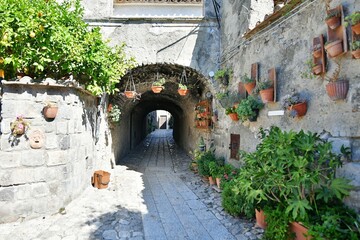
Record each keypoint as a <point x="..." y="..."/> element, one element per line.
<point x="267" y="95"/>
<point x="317" y="69"/>
<point x="183" y="92"/>
<point x="299" y="230"/>
<point x="317" y="53"/>
<point x="157" y="89"/>
<point x="249" y="87"/>
<point x="356" y="54"/>
<point x="337" y="90"/>
<point x="300" y="108"/>
<point x="50" y="112"/>
<point x="356" y="28"/>
<point x="234" y="116"/>
<point x="260" y="218"/>
<point x="130" y="94"/>
<point x="334" y="48"/>
<point x="333" y="22"/>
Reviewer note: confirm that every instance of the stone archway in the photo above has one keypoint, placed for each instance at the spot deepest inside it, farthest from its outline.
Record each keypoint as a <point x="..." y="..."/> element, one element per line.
<point x="132" y="129"/>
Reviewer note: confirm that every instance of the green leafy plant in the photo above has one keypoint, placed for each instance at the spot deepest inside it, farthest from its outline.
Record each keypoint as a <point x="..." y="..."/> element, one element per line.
<point x="159" y="83"/>
<point x="182" y="86"/>
<point x="277" y="223"/>
<point x="221" y="95"/>
<point x="355" y="45"/>
<point x="204" y="159"/>
<point x="223" y="76"/>
<point x="352" y="19"/>
<point x="114" y="114"/>
<point x="308" y="73"/>
<point x="265" y="84"/>
<point x="333" y="13"/>
<point x="46" y="39"/>
<point x="246" y="79"/>
<point x="230" y="110"/>
<point x="248" y="109"/>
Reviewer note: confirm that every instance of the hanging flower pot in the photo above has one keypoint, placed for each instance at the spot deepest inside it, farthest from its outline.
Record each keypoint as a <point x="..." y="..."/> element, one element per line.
<point x="334" y="48"/>
<point x="183" y="92"/>
<point x="260" y="218"/>
<point x="317" y="69"/>
<point x="267" y="95"/>
<point x="130" y="94"/>
<point x="249" y="87"/>
<point x="337" y="90"/>
<point x="356" y="28"/>
<point x="300" y="109"/>
<point x="333" y="22"/>
<point x="356" y="54"/>
<point x="50" y="111"/>
<point x="157" y="89"/>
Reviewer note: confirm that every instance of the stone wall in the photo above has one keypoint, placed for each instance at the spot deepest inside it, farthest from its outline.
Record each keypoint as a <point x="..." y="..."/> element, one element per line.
<point x="286" y="46"/>
<point x="40" y="181"/>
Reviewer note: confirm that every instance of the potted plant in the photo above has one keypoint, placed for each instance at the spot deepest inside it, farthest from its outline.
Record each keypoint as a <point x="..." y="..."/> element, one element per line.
<point x="158" y="85"/>
<point x="333" y="19"/>
<point x="114" y="113"/>
<point x="266" y="90"/>
<point x="19" y="126"/>
<point x="231" y="112"/>
<point x="355" y="49"/>
<point x="50" y="110"/>
<point x="296" y="105"/>
<point x="249" y="83"/>
<point x="183" y="90"/>
<point x="201" y="145"/>
<point x="130" y="94"/>
<point x="248" y="109"/>
<point x="337" y="89"/>
<point x="354" y="20"/>
<point x="223" y="76"/>
<point x="334" y="48"/>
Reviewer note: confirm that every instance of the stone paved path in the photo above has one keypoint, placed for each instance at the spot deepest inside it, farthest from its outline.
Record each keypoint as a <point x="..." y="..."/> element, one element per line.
<point x="152" y="195"/>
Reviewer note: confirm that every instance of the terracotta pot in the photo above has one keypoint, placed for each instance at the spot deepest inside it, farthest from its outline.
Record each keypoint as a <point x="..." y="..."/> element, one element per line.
<point x="2" y="73"/>
<point x="317" y="69"/>
<point x="234" y="116"/>
<point x="249" y="87"/>
<point x="356" y="54"/>
<point x="300" y="108"/>
<point x="356" y="28"/>
<point x="157" y="89"/>
<point x="333" y="22"/>
<point x="337" y="90"/>
<point x="299" y="230"/>
<point x="183" y="92"/>
<point x="130" y="94"/>
<point x="317" y="53"/>
<point x="334" y="48"/>
<point x="218" y="181"/>
<point x="50" y="112"/>
<point x="267" y="95"/>
<point x="211" y="181"/>
<point x="260" y="218"/>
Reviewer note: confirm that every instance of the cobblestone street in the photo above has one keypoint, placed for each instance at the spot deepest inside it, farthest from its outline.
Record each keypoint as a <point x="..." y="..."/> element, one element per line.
<point x="153" y="195"/>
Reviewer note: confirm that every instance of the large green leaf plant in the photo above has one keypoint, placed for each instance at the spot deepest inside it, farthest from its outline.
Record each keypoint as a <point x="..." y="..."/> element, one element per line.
<point x="43" y="39"/>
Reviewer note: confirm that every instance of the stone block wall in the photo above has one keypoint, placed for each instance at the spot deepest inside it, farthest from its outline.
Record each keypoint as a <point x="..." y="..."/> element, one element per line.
<point x="286" y="45"/>
<point x="75" y="144"/>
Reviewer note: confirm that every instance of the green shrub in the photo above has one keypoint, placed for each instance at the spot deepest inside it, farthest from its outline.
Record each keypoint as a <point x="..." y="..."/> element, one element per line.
<point x="42" y="39"/>
<point x="204" y="160"/>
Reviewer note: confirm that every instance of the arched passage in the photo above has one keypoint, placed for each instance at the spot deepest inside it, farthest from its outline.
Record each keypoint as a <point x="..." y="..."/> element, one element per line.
<point x="132" y="129"/>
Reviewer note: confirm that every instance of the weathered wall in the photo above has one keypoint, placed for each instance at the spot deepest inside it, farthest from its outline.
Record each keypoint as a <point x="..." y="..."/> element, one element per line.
<point x="41" y="181"/>
<point x="287" y="46"/>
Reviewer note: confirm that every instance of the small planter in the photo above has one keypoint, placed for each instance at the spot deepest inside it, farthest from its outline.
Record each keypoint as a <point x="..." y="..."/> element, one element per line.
<point x="267" y="95"/>
<point x="317" y="53"/>
<point x="234" y="116"/>
<point x="183" y="92"/>
<point x="300" y="108"/>
<point x="260" y="218"/>
<point x="249" y="87"/>
<point x="218" y="181"/>
<point x="130" y="94"/>
<point x="157" y="89"/>
<point x="356" y="54"/>
<point x="211" y="181"/>
<point x="50" y="112"/>
<point x="334" y="48"/>
<point x="299" y="230"/>
<point x="254" y="118"/>
<point x="337" y="90"/>
<point x="333" y="22"/>
<point x="356" y="28"/>
<point x="317" y="69"/>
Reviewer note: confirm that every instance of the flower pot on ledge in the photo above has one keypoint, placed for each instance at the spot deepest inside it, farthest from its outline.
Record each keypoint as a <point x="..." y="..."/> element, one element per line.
<point x="356" y="28"/>
<point x="267" y="95"/>
<point x="356" y="54"/>
<point x="333" y="22"/>
<point x="317" y="69"/>
<point x="334" y="48"/>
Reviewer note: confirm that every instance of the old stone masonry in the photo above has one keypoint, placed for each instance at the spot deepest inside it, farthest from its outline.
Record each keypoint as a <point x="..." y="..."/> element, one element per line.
<point x="152" y="195"/>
